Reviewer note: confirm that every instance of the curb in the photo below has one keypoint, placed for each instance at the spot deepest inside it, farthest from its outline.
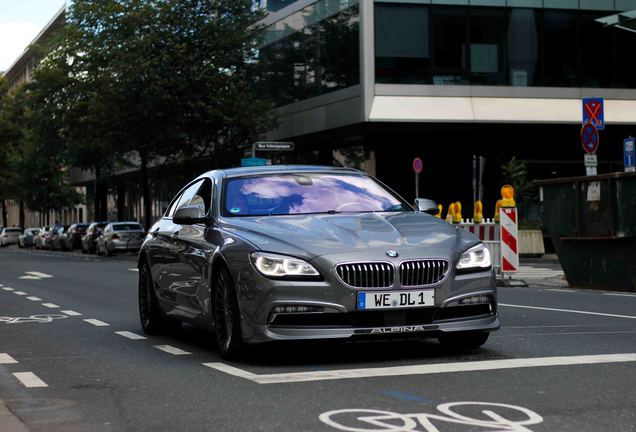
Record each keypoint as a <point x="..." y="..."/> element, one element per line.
<point x="9" y="422"/>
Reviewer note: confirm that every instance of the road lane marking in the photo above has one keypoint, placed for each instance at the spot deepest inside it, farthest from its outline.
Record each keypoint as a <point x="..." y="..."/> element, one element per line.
<point x="171" y="350"/>
<point x="7" y="359"/>
<point x="38" y="274"/>
<point x="97" y="322"/>
<point x="620" y="295"/>
<point x="133" y="269"/>
<point x="50" y="305"/>
<point x="130" y="335"/>
<point x="29" y="379"/>
<point x="560" y="290"/>
<point x="427" y="369"/>
<point x="20" y="293"/>
<point x="71" y="313"/>
<point x="33" y="298"/>
<point x="8" y="289"/>
<point x="30" y="277"/>
<point x="569" y="311"/>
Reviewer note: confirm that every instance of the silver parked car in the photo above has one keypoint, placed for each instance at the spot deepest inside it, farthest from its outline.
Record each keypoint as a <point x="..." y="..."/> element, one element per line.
<point x="40" y="239"/>
<point x="120" y="237"/>
<point x="300" y="252"/>
<point x="28" y="236"/>
<point x="9" y="236"/>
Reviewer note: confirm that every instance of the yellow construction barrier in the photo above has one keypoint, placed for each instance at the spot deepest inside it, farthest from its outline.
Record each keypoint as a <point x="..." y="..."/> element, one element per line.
<point x="439" y="211"/>
<point x="478" y="216"/>
<point x="497" y="207"/>
<point x="508" y="196"/>
<point x="457" y="212"/>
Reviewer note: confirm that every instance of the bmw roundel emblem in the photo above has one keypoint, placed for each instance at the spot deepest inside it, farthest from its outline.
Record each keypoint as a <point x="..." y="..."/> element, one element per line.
<point x="392" y="253"/>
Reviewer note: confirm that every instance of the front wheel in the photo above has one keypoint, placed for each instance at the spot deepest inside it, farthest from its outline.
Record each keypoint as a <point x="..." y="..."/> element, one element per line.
<point x="464" y="340"/>
<point x="227" y="318"/>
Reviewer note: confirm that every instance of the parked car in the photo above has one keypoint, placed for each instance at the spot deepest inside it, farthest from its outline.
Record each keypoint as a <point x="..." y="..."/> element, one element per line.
<point x="89" y="241"/>
<point x="56" y="241"/>
<point x="40" y="239"/>
<point x="25" y="240"/>
<point x="120" y="237"/>
<point x="73" y="237"/>
<point x="281" y="253"/>
<point x="9" y="236"/>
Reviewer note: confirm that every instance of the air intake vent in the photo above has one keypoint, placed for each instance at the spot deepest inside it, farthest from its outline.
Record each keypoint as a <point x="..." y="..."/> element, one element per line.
<point x="422" y="272"/>
<point x="366" y="275"/>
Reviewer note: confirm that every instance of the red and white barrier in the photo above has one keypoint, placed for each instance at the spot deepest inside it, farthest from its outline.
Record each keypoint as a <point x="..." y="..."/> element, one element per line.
<point x="485" y="231"/>
<point x="509" y="239"/>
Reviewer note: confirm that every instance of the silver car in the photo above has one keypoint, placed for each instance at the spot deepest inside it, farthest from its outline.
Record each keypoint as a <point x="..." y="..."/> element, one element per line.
<point x="27" y="237"/>
<point x="9" y="236"/>
<point x="301" y="252"/>
<point x="120" y="237"/>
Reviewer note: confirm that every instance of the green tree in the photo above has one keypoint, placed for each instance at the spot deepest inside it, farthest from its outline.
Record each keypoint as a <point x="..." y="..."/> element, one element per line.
<point x="157" y="81"/>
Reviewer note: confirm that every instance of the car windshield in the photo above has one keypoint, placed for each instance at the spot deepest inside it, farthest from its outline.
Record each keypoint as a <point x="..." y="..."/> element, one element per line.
<point x="127" y="227"/>
<point x="284" y="194"/>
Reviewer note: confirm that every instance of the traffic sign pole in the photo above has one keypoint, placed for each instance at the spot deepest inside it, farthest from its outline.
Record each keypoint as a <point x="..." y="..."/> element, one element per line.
<point x="629" y="158"/>
<point x="417" y="167"/>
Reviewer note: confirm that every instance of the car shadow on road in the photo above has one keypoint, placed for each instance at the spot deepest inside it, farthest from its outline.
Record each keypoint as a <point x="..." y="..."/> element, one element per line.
<point x="375" y="351"/>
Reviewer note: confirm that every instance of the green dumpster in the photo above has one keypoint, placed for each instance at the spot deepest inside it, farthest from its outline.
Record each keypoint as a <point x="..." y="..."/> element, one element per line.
<point x="592" y="224"/>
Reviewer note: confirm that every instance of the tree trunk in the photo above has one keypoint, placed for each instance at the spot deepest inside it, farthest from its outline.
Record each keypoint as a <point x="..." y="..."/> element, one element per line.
<point x="96" y="200"/>
<point x="145" y="188"/>
<point x="4" y="213"/>
<point x="22" y="216"/>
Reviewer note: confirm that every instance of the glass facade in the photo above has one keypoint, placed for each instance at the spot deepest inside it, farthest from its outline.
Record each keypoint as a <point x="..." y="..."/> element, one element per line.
<point x="507" y="46"/>
<point x="311" y="52"/>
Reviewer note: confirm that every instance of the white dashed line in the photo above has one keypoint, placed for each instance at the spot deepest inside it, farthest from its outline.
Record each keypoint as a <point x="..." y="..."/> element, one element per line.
<point x="620" y="295"/>
<point x="427" y="369"/>
<point x="6" y="359"/>
<point x="569" y="311"/>
<point x="29" y="379"/>
<point x="171" y="350"/>
<point x="97" y="322"/>
<point x="130" y="335"/>
<point x="29" y="277"/>
<point x="560" y="290"/>
<point x="50" y="305"/>
<point x="133" y="269"/>
<point x="33" y="298"/>
<point x="39" y="274"/>
<point x="71" y="313"/>
<point x="8" y="289"/>
<point x="20" y="293"/>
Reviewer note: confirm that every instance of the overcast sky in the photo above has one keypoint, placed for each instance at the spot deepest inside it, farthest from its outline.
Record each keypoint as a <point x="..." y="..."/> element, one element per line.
<point x="20" y="23"/>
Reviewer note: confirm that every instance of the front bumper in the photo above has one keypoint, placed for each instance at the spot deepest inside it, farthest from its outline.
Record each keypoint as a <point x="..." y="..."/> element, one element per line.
<point x="339" y="317"/>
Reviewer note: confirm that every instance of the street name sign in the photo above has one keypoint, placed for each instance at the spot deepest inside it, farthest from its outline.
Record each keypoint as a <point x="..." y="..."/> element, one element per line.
<point x="594" y="112"/>
<point x="274" y="146"/>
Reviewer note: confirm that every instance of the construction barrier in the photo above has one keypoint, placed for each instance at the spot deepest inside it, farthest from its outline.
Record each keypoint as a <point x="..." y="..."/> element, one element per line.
<point x="509" y="239"/>
<point x="489" y="233"/>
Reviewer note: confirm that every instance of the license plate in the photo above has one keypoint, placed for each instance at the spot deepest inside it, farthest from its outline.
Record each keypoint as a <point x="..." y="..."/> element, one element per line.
<point x="395" y="299"/>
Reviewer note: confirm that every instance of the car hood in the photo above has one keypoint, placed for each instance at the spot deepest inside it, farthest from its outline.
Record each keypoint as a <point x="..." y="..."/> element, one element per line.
<point x="310" y="236"/>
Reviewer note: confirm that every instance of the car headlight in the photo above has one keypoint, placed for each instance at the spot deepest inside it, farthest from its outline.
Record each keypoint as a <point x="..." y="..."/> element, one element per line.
<point x="476" y="258"/>
<point x="282" y="266"/>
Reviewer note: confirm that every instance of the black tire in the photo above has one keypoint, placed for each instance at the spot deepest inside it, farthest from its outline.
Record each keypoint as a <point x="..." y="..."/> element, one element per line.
<point x="107" y="251"/>
<point x="227" y="318"/>
<point x="83" y="250"/>
<point x="153" y="321"/>
<point x="464" y="340"/>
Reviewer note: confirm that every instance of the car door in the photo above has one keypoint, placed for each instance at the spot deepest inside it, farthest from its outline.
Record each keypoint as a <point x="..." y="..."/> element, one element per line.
<point x="167" y="270"/>
<point x="193" y="251"/>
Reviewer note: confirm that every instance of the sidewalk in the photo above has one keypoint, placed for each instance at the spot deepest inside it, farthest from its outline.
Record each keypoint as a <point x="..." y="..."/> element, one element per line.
<point x="9" y="422"/>
<point x="541" y="272"/>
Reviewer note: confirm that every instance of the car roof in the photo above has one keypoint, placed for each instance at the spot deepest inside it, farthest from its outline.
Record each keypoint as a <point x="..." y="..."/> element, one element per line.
<point x="279" y="169"/>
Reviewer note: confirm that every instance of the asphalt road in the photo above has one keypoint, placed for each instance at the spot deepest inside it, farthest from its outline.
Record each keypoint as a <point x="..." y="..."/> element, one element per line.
<point x="565" y="360"/>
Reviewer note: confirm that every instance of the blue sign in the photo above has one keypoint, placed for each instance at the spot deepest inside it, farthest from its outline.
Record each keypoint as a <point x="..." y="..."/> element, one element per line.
<point x="253" y="161"/>
<point x="594" y="112"/>
<point x="628" y="154"/>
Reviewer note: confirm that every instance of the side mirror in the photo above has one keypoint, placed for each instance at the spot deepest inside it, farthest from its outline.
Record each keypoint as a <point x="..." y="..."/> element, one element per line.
<point x="426" y="206"/>
<point x="188" y="215"/>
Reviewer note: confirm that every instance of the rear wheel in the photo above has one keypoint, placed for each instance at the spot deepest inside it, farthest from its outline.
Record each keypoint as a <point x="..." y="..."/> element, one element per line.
<point x="153" y="321"/>
<point x="227" y="319"/>
<point x="464" y="340"/>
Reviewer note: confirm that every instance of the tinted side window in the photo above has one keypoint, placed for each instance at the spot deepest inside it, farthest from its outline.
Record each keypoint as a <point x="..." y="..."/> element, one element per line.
<point x="203" y="197"/>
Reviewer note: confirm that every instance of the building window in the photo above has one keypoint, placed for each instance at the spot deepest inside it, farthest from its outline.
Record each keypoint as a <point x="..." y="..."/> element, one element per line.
<point x="560" y="49"/>
<point x="312" y="52"/>
<point x="450" y="26"/>
<point x="522" y="47"/>
<point x="402" y="48"/>
<point x="487" y="46"/>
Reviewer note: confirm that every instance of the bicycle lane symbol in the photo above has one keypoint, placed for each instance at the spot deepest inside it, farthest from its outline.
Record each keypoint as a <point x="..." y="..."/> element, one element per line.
<point x="40" y="319"/>
<point x="492" y="416"/>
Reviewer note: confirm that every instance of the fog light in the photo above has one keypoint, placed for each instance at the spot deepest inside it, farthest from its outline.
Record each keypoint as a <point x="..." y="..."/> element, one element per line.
<point x="295" y="309"/>
<point x="475" y="300"/>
